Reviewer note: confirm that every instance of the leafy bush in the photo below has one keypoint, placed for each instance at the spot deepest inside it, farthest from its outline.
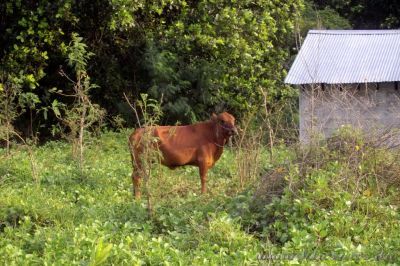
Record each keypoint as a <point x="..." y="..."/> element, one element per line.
<point x="338" y="204"/>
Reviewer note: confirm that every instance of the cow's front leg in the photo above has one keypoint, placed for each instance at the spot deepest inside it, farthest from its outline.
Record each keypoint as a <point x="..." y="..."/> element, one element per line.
<point x="203" y="177"/>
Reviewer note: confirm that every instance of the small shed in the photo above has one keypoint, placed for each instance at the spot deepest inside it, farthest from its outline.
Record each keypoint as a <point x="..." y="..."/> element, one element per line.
<point x="348" y="77"/>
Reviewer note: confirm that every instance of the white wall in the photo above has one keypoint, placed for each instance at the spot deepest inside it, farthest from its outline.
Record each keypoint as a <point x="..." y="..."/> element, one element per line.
<point x="323" y="109"/>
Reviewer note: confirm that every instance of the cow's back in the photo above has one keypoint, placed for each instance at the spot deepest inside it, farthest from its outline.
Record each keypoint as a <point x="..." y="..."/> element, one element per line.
<point x="181" y="137"/>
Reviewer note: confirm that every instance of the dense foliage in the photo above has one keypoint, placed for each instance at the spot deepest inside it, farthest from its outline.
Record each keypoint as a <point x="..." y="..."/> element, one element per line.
<point x="194" y="56"/>
<point x="366" y="14"/>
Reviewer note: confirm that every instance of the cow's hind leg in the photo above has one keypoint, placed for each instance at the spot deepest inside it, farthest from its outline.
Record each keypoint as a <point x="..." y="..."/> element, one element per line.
<point x="136" y="178"/>
<point x="136" y="181"/>
<point x="136" y="169"/>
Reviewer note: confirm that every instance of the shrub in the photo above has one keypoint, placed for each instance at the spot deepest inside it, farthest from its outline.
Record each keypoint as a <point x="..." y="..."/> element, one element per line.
<point x="337" y="204"/>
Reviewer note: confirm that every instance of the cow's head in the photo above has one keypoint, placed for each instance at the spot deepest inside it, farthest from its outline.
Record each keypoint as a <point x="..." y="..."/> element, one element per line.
<point x="226" y="122"/>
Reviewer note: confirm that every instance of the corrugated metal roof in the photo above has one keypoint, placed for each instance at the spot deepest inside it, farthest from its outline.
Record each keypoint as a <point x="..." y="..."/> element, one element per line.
<point x="347" y="56"/>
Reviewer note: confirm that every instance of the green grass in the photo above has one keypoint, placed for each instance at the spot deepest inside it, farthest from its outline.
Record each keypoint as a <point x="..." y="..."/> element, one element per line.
<point x="74" y="218"/>
<point x="66" y="216"/>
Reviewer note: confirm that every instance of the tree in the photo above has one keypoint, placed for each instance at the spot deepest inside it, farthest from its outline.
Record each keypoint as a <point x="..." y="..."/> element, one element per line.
<point x="30" y="36"/>
<point x="324" y="18"/>
<point x="82" y="113"/>
<point x="200" y="56"/>
<point x="204" y="54"/>
<point x="366" y="14"/>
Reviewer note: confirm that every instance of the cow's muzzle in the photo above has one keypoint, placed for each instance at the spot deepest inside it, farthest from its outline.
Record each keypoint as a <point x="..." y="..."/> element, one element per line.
<point x="229" y="130"/>
<point x="233" y="131"/>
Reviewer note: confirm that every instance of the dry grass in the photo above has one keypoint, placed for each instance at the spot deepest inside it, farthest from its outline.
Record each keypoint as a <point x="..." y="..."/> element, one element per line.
<point x="271" y="185"/>
<point x="353" y="162"/>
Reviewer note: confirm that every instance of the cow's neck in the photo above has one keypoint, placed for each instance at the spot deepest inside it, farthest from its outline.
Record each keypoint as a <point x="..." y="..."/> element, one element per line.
<point x="219" y="137"/>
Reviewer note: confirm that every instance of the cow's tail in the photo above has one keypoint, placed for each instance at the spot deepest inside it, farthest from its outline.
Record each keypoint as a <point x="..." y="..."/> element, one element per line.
<point x="131" y="145"/>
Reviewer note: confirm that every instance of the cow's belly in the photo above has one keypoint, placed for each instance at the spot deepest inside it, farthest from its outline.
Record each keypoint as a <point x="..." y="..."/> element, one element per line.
<point x="174" y="158"/>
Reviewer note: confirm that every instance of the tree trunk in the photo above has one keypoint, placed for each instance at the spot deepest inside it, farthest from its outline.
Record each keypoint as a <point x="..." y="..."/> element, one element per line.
<point x="8" y="124"/>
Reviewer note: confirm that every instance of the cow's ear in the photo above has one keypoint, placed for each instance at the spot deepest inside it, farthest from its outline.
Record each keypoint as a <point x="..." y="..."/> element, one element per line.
<point x="214" y="117"/>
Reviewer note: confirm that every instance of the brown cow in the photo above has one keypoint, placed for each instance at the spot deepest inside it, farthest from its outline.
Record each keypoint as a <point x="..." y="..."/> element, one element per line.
<point x="199" y="144"/>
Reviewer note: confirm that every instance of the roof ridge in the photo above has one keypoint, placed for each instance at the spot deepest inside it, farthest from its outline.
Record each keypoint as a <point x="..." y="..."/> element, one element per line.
<point x="355" y="32"/>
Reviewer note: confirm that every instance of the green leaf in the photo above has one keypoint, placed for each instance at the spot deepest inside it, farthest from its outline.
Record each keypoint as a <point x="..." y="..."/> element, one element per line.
<point x="54" y="106"/>
<point x="45" y="113"/>
<point x="100" y="253"/>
